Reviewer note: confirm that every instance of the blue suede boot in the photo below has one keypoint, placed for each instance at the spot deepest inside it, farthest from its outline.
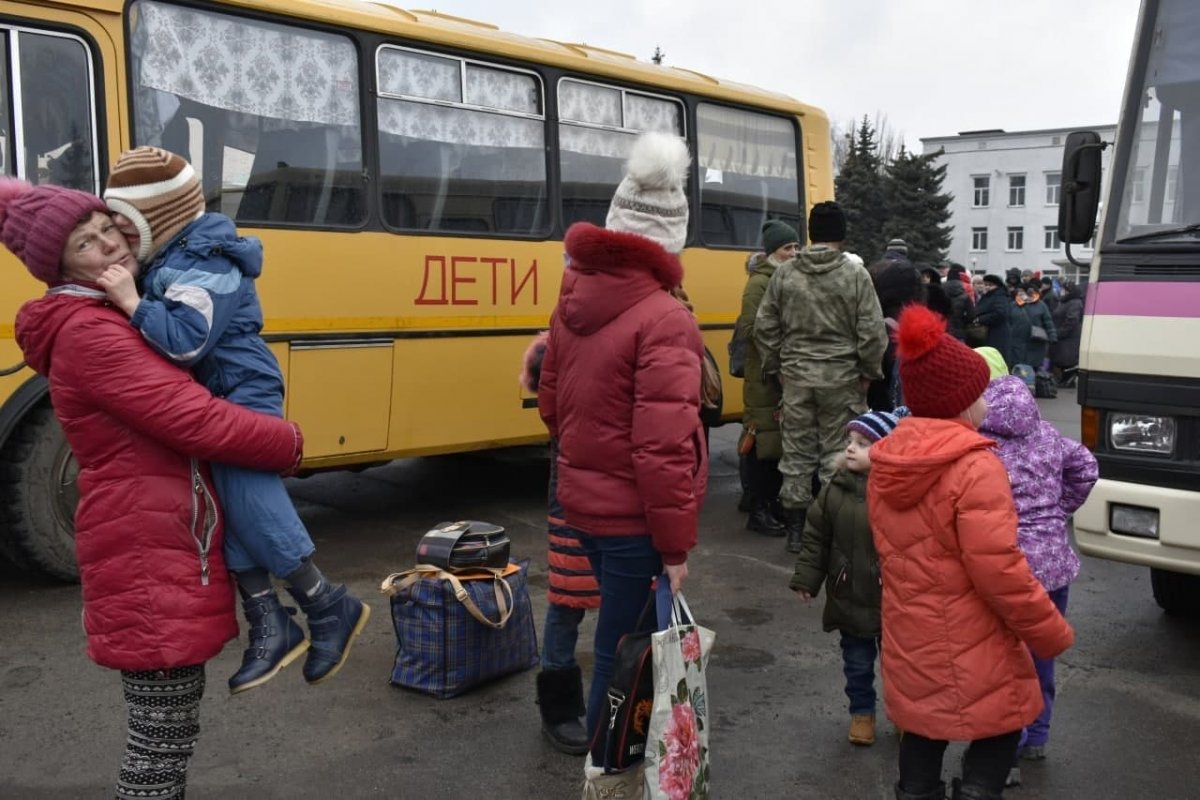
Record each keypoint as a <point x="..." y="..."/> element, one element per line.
<point x="275" y="641"/>
<point x="335" y="619"/>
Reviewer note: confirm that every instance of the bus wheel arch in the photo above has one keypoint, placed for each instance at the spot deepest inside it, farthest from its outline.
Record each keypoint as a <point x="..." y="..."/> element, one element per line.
<point x="37" y="487"/>
<point x="1176" y="593"/>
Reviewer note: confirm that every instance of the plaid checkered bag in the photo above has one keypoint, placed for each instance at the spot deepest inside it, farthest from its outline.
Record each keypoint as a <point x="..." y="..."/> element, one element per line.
<point x="456" y="631"/>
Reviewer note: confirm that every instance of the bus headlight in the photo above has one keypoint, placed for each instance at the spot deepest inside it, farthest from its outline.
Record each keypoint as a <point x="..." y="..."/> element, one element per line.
<point x="1139" y="433"/>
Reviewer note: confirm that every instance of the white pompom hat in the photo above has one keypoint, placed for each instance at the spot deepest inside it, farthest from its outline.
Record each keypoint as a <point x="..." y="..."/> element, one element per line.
<point x="650" y="200"/>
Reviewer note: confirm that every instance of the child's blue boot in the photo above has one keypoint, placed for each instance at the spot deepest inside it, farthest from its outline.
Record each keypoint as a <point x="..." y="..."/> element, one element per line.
<point x="335" y="619"/>
<point x="275" y="641"/>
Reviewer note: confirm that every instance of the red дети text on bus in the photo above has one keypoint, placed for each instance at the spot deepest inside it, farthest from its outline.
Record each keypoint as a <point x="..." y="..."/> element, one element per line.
<point x="458" y="281"/>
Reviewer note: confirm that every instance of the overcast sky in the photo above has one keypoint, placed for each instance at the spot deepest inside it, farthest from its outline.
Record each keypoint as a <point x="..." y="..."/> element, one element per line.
<point x="933" y="68"/>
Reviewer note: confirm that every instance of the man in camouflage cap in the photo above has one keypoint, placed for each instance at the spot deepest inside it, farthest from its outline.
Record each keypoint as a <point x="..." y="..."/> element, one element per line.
<point x="821" y="334"/>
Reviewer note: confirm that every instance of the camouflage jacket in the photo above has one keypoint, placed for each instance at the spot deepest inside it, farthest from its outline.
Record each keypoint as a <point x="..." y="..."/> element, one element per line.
<point x="820" y="322"/>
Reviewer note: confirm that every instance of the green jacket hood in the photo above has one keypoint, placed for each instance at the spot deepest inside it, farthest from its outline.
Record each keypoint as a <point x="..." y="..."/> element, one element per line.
<point x="818" y="258"/>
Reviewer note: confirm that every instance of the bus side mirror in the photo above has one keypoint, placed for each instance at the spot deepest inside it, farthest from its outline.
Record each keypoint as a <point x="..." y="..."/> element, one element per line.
<point x="1080" y="198"/>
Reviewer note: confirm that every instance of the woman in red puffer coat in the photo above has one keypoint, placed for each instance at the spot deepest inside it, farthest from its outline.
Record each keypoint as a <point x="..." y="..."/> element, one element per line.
<point x="157" y="601"/>
<point x="620" y="391"/>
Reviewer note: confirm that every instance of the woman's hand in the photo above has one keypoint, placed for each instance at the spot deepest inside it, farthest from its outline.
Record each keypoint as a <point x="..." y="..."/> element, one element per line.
<point x="117" y="283"/>
<point x="805" y="596"/>
<point x="676" y="573"/>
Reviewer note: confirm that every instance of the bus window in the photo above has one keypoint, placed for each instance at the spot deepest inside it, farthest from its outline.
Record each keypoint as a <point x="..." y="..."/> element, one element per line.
<point x="597" y="127"/>
<point x="748" y="174"/>
<point x="55" y="111"/>
<point x="7" y="165"/>
<point x="277" y="109"/>
<point x="462" y="145"/>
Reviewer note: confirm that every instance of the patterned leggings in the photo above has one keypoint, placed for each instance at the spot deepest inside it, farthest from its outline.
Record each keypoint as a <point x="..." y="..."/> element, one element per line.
<point x="164" y="722"/>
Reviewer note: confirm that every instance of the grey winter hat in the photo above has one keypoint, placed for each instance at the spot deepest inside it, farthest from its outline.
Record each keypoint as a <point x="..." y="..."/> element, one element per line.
<point x="650" y="200"/>
<point x="898" y="246"/>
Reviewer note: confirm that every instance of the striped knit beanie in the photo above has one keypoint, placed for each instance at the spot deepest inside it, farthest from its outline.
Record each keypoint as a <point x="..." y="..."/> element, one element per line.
<point x="35" y="222"/>
<point x="159" y="193"/>
<point x="874" y="425"/>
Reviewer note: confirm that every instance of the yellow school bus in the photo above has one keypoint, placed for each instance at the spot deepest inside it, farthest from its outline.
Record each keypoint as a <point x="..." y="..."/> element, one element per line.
<point x="411" y="175"/>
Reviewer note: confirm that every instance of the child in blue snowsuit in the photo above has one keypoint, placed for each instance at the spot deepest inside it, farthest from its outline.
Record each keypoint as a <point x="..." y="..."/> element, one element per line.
<point x="199" y="308"/>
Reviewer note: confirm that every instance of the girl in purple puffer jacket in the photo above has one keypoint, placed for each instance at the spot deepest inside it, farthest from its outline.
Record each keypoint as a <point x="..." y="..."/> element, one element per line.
<point x="1051" y="476"/>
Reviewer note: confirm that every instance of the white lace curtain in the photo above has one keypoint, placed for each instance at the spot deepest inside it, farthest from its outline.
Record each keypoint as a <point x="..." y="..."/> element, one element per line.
<point x="246" y="66"/>
<point x="604" y="105"/>
<point x="403" y="73"/>
<point x="745" y="143"/>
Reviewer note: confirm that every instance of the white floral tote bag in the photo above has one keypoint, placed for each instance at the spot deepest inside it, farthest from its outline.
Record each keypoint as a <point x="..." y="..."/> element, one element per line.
<point x="677" y="742"/>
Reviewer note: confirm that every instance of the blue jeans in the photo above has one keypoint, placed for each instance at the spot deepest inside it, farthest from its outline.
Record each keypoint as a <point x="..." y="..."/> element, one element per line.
<point x="858" y="664"/>
<point x="560" y="635"/>
<point x="1038" y="732"/>
<point x="624" y="566"/>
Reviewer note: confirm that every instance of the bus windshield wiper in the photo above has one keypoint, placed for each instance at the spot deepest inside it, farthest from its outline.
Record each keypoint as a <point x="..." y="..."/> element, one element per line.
<point x="1193" y="228"/>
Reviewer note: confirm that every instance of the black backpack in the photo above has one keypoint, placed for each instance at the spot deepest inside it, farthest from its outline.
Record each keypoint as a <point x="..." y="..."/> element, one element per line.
<point x="619" y="740"/>
<point x="737" y="352"/>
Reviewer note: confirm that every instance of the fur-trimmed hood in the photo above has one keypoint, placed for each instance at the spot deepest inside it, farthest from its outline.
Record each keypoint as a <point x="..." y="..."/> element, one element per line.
<point x="610" y="271"/>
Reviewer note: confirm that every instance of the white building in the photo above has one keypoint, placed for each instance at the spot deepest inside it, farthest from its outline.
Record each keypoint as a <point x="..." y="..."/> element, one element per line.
<point x="1006" y="195"/>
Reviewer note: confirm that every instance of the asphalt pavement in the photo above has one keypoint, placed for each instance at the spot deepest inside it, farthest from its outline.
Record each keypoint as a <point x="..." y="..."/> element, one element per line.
<point x="1125" y="724"/>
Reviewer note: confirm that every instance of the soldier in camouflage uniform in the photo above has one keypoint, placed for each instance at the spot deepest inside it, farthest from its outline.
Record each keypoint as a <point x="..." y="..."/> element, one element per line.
<point x="820" y="330"/>
<point x="760" y="438"/>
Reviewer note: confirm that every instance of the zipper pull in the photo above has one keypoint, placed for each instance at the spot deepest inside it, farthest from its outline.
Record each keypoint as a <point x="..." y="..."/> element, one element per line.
<point x="614" y="703"/>
<point x="204" y="569"/>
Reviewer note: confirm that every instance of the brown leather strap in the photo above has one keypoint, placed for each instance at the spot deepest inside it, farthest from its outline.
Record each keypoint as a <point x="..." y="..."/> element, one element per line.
<point x="397" y="582"/>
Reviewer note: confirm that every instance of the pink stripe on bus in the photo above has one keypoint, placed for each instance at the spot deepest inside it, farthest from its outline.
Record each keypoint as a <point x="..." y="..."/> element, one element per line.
<point x="1144" y="299"/>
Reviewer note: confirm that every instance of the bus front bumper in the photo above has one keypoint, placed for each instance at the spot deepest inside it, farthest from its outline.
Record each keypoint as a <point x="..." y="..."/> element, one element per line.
<point x="1177" y="545"/>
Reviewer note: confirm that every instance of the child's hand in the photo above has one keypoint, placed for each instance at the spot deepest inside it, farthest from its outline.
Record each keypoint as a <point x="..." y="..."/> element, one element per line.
<point x="117" y="283"/>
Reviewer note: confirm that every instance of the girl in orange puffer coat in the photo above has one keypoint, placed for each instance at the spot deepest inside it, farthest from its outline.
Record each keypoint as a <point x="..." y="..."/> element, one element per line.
<point x="959" y="601"/>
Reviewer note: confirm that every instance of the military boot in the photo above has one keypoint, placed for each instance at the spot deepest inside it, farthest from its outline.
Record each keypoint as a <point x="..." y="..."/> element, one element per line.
<point x="793" y="526"/>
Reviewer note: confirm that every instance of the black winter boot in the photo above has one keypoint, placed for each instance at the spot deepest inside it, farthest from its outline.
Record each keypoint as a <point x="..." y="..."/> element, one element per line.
<point x="275" y="641"/>
<point x="937" y="794"/>
<point x="793" y="526"/>
<point x="763" y="521"/>
<point x="335" y="619"/>
<point x="560" y="699"/>
<point x="972" y="791"/>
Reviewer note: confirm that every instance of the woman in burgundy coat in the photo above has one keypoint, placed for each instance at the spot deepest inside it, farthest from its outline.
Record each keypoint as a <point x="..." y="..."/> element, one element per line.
<point x="620" y="391"/>
<point x="157" y="601"/>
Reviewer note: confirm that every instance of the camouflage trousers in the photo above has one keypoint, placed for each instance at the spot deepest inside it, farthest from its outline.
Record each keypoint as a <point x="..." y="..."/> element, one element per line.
<point x="813" y="424"/>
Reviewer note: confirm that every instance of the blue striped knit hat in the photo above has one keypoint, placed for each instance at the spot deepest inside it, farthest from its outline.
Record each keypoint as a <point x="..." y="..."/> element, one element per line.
<point x="875" y="425"/>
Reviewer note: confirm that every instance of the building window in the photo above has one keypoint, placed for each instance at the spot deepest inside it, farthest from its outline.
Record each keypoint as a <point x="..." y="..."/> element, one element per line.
<point x="1053" y="188"/>
<point x="1050" y="240"/>
<point x="1016" y="239"/>
<point x="978" y="240"/>
<point x="1016" y="190"/>
<point x="982" y="191"/>
<point x="1139" y="185"/>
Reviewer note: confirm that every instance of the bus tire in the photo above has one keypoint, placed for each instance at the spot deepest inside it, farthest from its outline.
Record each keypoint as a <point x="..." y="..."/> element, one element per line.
<point x="38" y="496"/>
<point x="1176" y="593"/>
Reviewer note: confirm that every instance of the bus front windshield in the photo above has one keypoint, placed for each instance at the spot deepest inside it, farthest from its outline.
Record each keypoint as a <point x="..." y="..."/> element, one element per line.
<point x="1160" y="167"/>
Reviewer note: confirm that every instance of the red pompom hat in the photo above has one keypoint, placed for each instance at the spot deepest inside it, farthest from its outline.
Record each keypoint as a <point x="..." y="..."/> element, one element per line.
<point x="940" y="376"/>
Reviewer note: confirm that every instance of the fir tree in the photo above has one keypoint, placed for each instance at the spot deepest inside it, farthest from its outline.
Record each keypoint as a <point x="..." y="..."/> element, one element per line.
<point x="860" y="191"/>
<point x="917" y="209"/>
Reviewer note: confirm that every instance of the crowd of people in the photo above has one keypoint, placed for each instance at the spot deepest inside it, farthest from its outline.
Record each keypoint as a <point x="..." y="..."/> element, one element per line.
<point x="912" y="475"/>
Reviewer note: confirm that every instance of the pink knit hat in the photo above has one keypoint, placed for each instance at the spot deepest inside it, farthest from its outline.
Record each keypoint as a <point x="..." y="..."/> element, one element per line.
<point x="35" y="222"/>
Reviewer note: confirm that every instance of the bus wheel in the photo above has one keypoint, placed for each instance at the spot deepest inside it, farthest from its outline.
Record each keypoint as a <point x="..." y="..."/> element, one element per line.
<point x="38" y="496"/>
<point x="1176" y="593"/>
